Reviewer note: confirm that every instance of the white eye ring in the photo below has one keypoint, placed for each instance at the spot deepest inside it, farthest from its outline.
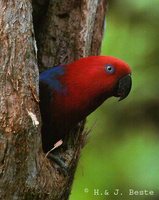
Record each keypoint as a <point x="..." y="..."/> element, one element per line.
<point x="110" y="69"/>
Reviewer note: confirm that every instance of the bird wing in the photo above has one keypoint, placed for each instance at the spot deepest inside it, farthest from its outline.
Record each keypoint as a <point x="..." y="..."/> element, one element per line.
<point x="49" y="85"/>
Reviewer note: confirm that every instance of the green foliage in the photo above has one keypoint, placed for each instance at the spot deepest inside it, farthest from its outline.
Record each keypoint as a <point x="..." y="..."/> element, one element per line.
<point x="123" y="146"/>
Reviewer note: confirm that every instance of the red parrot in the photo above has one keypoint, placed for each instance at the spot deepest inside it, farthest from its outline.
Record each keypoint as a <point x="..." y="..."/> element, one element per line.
<point x="69" y="93"/>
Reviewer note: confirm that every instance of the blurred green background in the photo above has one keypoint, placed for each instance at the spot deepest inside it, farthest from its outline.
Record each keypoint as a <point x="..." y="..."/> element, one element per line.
<point x="123" y="147"/>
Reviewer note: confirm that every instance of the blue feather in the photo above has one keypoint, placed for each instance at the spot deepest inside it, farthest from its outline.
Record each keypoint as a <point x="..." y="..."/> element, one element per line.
<point x="50" y="77"/>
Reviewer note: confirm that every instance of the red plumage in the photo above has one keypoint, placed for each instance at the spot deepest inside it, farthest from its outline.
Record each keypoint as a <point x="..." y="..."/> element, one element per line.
<point x="69" y="93"/>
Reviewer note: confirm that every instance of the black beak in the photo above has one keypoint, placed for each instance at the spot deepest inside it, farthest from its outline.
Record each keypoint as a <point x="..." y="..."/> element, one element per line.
<point x="124" y="87"/>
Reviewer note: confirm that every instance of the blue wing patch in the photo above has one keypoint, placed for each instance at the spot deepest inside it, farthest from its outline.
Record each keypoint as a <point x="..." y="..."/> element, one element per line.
<point x="50" y="77"/>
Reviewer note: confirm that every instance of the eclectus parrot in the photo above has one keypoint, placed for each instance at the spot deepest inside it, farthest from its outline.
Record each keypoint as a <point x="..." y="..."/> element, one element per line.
<point x="69" y="93"/>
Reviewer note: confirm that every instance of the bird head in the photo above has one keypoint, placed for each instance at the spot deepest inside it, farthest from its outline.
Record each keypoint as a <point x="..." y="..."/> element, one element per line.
<point x="103" y="76"/>
<point x="118" y="77"/>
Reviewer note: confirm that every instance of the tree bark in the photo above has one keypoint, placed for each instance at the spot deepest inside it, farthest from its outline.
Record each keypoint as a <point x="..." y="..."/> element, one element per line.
<point x="60" y="31"/>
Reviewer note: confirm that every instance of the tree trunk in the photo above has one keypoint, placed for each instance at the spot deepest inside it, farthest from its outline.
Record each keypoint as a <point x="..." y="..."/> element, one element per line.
<point x="65" y="30"/>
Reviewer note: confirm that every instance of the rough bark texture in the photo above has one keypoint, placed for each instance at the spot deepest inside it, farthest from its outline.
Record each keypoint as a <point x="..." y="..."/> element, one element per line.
<point x="64" y="31"/>
<point x="69" y="29"/>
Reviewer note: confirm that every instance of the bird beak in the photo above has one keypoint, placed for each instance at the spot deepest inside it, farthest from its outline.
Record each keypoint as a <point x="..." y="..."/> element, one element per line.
<point x="124" y="87"/>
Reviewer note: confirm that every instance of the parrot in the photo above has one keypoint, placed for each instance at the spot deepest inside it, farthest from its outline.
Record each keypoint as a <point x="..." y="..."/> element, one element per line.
<point x="70" y="92"/>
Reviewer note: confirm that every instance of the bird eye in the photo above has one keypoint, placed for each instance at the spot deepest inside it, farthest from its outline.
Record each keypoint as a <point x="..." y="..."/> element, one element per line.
<point x="110" y="69"/>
